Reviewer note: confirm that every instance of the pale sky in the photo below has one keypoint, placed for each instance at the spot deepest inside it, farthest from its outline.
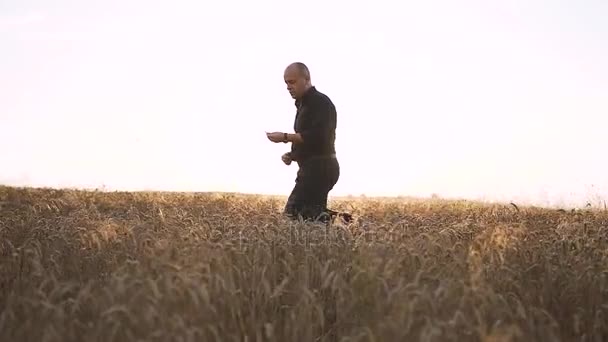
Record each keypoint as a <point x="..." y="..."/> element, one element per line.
<point x="494" y="100"/>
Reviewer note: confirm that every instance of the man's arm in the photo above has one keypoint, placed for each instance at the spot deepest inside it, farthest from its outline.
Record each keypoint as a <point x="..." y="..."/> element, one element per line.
<point x="323" y="122"/>
<point x="294" y="138"/>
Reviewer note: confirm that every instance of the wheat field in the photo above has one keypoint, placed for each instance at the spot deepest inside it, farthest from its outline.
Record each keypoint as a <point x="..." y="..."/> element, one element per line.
<point x="102" y="266"/>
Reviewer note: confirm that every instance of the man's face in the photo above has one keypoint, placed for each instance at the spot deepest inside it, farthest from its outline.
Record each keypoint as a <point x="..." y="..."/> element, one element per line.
<point x="296" y="83"/>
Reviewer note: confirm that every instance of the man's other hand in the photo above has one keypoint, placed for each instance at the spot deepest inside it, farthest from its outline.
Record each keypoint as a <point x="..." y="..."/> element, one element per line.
<point x="286" y="158"/>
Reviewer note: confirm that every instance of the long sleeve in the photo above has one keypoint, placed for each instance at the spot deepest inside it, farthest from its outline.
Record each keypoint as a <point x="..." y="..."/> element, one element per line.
<point x="322" y="125"/>
<point x="316" y="123"/>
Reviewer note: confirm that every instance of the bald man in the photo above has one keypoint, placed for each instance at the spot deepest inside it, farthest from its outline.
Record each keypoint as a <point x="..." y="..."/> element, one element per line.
<point x="312" y="148"/>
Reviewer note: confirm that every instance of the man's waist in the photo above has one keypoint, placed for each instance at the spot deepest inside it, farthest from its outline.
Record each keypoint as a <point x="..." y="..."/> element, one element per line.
<point x="321" y="155"/>
<point x="308" y="157"/>
<point x="305" y="152"/>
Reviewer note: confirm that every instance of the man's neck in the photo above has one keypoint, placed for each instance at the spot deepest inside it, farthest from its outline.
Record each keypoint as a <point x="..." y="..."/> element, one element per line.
<point x="306" y="91"/>
<point x="301" y="98"/>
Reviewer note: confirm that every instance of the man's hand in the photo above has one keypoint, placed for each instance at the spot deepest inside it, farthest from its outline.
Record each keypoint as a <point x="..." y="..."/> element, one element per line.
<point x="276" y="137"/>
<point x="286" y="158"/>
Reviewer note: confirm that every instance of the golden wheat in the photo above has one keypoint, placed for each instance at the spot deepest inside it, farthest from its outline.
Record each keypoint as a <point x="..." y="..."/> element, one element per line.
<point x="93" y="266"/>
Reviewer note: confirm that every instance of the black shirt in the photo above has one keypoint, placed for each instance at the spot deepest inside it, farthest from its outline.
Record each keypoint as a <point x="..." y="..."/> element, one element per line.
<point x="315" y="120"/>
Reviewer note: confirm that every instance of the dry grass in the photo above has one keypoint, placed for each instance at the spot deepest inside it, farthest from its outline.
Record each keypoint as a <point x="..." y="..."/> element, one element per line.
<point x="87" y="266"/>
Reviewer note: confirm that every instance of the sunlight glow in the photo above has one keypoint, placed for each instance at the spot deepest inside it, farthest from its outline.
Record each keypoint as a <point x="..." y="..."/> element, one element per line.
<point x="484" y="100"/>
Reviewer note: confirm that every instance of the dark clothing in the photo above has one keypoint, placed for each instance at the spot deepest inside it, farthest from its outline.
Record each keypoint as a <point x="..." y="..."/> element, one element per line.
<point x="315" y="179"/>
<point x="319" y="169"/>
<point x="316" y="121"/>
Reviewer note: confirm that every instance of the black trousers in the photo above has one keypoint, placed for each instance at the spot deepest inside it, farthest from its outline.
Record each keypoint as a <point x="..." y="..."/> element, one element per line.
<point x="315" y="179"/>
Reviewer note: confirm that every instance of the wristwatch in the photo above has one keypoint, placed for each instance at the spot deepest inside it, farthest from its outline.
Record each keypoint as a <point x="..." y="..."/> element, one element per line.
<point x="285" y="138"/>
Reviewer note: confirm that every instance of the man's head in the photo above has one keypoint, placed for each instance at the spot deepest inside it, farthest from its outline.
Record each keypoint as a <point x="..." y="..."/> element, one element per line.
<point x="297" y="78"/>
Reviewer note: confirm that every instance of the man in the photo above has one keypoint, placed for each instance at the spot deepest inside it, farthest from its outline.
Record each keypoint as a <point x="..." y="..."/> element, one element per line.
<point x="312" y="147"/>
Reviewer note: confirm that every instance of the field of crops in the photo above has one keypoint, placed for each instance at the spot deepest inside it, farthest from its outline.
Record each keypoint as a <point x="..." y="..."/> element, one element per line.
<point x="93" y="266"/>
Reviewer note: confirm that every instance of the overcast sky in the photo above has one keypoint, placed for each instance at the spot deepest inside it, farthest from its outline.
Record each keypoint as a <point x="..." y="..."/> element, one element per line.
<point x="476" y="99"/>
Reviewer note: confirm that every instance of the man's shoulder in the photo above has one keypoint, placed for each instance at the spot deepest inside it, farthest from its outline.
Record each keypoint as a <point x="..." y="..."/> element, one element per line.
<point x="321" y="98"/>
